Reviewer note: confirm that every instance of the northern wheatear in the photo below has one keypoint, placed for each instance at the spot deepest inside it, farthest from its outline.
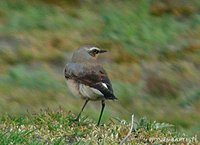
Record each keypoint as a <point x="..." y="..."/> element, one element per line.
<point x="87" y="78"/>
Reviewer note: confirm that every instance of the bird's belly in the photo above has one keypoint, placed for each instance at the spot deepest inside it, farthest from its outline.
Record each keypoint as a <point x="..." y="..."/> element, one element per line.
<point x="90" y="93"/>
<point x="84" y="91"/>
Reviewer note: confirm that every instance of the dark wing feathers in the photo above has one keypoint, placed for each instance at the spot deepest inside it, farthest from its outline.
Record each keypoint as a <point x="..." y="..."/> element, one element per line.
<point x="92" y="76"/>
<point x="106" y="92"/>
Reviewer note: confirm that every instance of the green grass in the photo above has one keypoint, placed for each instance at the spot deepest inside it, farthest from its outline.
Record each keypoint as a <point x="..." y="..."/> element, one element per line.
<point x="138" y="31"/>
<point x="23" y="16"/>
<point x="58" y="127"/>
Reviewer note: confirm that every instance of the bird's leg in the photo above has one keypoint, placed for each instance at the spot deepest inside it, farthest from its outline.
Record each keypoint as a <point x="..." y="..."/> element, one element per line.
<point x="81" y="110"/>
<point x="103" y="106"/>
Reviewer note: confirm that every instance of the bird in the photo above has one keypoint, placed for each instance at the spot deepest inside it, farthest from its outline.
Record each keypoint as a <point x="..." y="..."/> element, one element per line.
<point x="87" y="78"/>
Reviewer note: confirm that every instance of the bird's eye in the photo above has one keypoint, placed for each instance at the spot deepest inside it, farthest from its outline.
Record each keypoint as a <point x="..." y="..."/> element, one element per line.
<point x="95" y="51"/>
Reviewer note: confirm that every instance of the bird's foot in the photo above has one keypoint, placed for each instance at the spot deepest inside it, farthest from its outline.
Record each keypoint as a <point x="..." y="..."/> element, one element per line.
<point x="76" y="119"/>
<point x="99" y="125"/>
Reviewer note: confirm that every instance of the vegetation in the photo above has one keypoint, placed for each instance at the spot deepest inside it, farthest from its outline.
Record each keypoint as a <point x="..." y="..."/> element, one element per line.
<point x="153" y="61"/>
<point x="58" y="127"/>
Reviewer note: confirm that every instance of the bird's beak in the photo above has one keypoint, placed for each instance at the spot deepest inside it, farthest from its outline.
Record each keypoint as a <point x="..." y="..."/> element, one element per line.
<point x="102" y="51"/>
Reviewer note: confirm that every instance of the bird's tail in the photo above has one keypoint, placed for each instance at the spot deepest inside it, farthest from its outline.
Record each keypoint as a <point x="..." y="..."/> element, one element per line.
<point x="111" y="97"/>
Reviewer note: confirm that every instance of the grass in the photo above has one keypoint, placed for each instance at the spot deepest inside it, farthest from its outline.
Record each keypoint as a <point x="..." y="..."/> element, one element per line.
<point x="23" y="16"/>
<point x="58" y="127"/>
<point x="135" y="28"/>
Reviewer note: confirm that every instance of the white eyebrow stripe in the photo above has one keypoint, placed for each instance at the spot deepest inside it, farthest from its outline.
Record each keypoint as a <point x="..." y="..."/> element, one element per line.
<point x="93" y="48"/>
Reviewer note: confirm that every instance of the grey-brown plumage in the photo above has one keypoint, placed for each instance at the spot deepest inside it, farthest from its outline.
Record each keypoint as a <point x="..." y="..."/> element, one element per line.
<point x="86" y="78"/>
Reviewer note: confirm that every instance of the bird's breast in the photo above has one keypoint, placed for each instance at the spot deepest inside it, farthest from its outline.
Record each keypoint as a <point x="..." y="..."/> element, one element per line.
<point x="73" y="87"/>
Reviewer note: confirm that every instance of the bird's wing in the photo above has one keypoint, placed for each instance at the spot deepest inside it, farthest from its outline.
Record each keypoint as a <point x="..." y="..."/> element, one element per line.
<point x="93" y="76"/>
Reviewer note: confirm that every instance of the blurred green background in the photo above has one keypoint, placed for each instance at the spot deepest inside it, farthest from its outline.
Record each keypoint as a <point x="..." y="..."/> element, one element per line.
<point x="153" y="59"/>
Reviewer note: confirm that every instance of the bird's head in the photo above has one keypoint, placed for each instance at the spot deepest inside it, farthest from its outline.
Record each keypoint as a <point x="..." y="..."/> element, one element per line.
<point x="87" y="53"/>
